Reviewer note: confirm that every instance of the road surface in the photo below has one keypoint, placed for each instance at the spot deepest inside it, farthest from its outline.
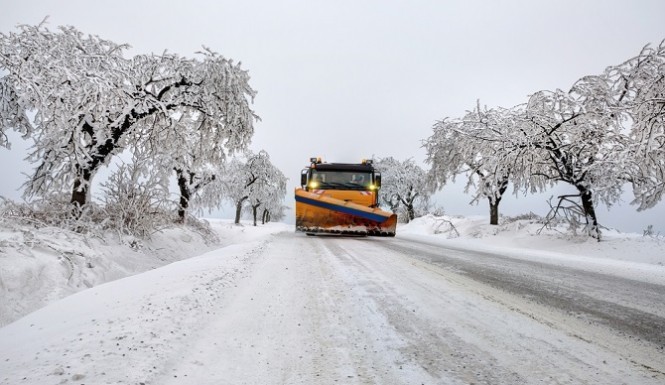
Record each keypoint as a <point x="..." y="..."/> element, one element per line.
<point x="324" y="310"/>
<point x="292" y="309"/>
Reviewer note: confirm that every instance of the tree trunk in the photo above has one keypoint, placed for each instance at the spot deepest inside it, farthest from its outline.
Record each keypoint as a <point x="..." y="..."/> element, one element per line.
<point x="592" y="227"/>
<point x="184" y="196"/>
<point x="392" y="204"/>
<point x="255" y="209"/>
<point x="239" y="209"/>
<point x="494" y="206"/>
<point x="411" y="212"/>
<point x="494" y="211"/>
<point x="80" y="191"/>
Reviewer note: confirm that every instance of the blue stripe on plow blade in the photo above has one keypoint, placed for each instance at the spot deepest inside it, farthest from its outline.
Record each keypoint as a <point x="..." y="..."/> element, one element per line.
<point x="342" y="209"/>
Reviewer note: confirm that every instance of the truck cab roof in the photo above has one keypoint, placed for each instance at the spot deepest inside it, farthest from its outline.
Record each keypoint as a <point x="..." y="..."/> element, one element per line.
<point x="343" y="167"/>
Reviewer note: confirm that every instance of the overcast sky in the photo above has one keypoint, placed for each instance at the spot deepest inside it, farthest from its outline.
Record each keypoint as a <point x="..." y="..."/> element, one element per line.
<point x="352" y="79"/>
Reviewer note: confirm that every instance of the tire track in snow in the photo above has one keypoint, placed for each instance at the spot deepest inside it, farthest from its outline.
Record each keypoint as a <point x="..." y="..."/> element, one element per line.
<point x="611" y="301"/>
<point x="587" y="300"/>
<point x="293" y="320"/>
<point x="425" y="342"/>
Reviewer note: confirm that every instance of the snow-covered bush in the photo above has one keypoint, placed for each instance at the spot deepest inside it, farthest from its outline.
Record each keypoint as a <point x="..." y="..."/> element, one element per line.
<point x="652" y="233"/>
<point x="530" y="216"/>
<point x="54" y="211"/>
<point x="136" y="201"/>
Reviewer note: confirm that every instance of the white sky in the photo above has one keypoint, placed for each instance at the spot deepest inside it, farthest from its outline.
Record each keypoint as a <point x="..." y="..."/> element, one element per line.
<point x="351" y="79"/>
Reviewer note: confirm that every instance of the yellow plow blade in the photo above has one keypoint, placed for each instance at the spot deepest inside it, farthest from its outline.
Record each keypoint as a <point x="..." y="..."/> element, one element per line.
<point x="321" y="214"/>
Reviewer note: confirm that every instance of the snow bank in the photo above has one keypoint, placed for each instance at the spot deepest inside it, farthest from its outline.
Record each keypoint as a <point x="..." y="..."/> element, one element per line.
<point x="132" y="323"/>
<point x="41" y="265"/>
<point x="629" y="255"/>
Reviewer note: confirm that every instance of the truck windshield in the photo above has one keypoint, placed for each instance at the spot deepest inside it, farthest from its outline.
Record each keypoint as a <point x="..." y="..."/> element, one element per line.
<point x="340" y="180"/>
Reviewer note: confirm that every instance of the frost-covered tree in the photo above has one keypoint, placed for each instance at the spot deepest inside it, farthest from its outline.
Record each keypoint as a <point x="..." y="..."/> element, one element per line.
<point x="576" y="138"/>
<point x="203" y="129"/>
<point x="475" y="146"/>
<point x="267" y="194"/>
<point x="238" y="180"/>
<point x="91" y="104"/>
<point x="571" y="137"/>
<point x="388" y="194"/>
<point x="250" y="180"/>
<point x="186" y="150"/>
<point x="66" y="79"/>
<point x="403" y="186"/>
<point x="638" y="86"/>
<point x="606" y="131"/>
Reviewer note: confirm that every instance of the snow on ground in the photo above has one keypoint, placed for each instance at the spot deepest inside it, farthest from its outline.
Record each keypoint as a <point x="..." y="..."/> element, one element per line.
<point x="629" y="255"/>
<point x="119" y="318"/>
<point x="168" y="301"/>
<point x="524" y="234"/>
<point x="41" y="265"/>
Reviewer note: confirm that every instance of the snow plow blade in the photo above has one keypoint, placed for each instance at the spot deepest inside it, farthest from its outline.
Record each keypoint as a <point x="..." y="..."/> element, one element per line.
<point x="322" y="214"/>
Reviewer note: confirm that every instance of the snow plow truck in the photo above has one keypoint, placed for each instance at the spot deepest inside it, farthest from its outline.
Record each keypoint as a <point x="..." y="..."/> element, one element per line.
<point x="341" y="198"/>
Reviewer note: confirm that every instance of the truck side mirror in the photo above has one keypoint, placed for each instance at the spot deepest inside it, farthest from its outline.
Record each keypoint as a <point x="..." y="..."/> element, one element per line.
<point x="303" y="178"/>
<point x="377" y="179"/>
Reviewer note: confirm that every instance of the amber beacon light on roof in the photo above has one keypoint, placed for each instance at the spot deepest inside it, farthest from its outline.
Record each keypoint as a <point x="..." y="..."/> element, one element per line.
<point x="341" y="198"/>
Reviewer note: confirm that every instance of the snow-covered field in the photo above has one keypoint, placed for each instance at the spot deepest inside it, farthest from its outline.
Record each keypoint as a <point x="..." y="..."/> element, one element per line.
<point x="265" y="306"/>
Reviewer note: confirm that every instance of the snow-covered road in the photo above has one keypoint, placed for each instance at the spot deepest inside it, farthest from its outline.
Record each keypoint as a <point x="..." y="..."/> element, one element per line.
<point x="291" y="309"/>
